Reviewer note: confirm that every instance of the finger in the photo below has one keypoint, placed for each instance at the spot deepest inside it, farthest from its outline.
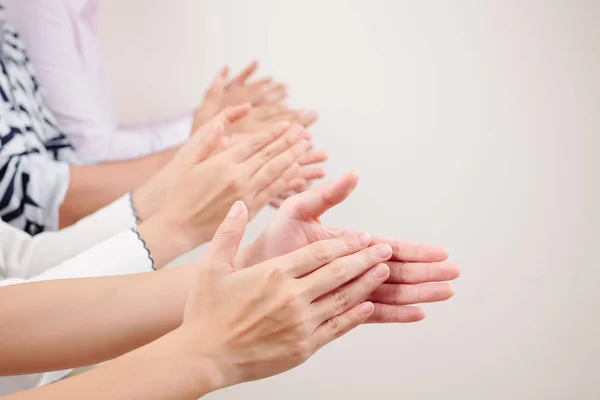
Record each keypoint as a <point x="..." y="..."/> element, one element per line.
<point x="259" y="84"/>
<point x="308" y="118"/>
<point x="403" y="250"/>
<point x="244" y="149"/>
<point x="217" y="86"/>
<point x="226" y="241"/>
<point x="401" y="294"/>
<point x="287" y="193"/>
<point x="274" y="168"/>
<point x="312" y="157"/>
<point x="276" y="202"/>
<point x="274" y="189"/>
<point x="314" y="202"/>
<point x="319" y="253"/>
<point x="271" y="92"/>
<point x="343" y="269"/>
<point x="225" y="118"/>
<point x="299" y="185"/>
<point x="289" y="141"/>
<point x="386" y="314"/>
<point x="342" y="324"/>
<point x="199" y="147"/>
<point x="276" y="97"/>
<point x="311" y="173"/>
<point x="415" y="273"/>
<point x="348" y="296"/>
<point x="417" y="252"/>
<point x="270" y="111"/>
<point x="243" y="76"/>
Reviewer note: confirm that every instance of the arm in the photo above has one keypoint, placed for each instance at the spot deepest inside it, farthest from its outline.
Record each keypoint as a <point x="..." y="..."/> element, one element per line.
<point x="258" y="332"/>
<point x="92" y="187"/>
<point x="62" y="43"/>
<point x="99" y="319"/>
<point x="25" y="256"/>
<point x="161" y="370"/>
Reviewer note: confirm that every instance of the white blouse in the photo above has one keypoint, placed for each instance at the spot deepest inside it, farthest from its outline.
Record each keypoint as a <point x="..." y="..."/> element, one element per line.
<point x="101" y="244"/>
<point x="62" y="42"/>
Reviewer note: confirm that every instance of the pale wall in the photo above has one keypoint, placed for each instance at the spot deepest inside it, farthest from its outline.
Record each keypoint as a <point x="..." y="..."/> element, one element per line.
<point x="473" y="124"/>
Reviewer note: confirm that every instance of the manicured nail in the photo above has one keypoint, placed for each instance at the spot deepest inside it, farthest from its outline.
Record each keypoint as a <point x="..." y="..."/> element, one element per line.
<point x="380" y="271"/>
<point x="366" y="308"/>
<point x="236" y="210"/>
<point x="384" y="250"/>
<point x="364" y="239"/>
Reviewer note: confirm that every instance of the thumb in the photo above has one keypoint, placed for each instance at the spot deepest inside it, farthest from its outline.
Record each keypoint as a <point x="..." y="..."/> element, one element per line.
<point x="314" y="202"/>
<point x="202" y="143"/>
<point x="223" y="249"/>
<point x="226" y="117"/>
<point x="217" y="87"/>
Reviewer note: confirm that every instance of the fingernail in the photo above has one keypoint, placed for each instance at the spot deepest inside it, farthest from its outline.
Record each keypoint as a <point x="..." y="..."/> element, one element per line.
<point x="366" y="308"/>
<point x="236" y="210"/>
<point x="380" y="271"/>
<point x="384" y="250"/>
<point x="364" y="239"/>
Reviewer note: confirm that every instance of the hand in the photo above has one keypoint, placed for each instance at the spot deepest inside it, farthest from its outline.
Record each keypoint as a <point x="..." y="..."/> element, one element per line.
<point x="149" y="198"/>
<point x="263" y="91"/>
<point x="308" y="173"/>
<point x="254" y="170"/>
<point x="297" y="224"/>
<point x="264" y="320"/>
<point x="222" y="93"/>
<point x="260" y="116"/>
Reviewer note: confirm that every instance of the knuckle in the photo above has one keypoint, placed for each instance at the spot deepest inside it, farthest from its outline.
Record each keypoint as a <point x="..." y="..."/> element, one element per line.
<point x="337" y="272"/>
<point x="323" y="253"/>
<point x="266" y="154"/>
<point x="301" y="350"/>
<point x="334" y="326"/>
<point x="340" y="301"/>
<point x="370" y="256"/>
<point x="237" y="183"/>
<point x="256" y="143"/>
<point x="276" y="275"/>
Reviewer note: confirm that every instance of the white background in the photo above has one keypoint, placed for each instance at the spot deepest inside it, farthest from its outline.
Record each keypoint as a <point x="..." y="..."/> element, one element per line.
<point x="473" y="124"/>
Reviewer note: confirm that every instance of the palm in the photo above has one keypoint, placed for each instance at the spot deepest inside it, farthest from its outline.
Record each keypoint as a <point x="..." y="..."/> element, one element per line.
<point x="287" y="233"/>
<point x="297" y="225"/>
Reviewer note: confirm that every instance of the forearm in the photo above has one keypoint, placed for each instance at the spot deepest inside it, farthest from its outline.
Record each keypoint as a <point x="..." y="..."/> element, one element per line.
<point x="161" y="370"/>
<point x="92" y="187"/>
<point x="100" y="318"/>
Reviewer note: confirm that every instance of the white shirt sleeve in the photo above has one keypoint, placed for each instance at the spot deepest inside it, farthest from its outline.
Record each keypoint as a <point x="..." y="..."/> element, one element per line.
<point x="63" y="47"/>
<point x="121" y="254"/>
<point x="23" y="256"/>
<point x="125" y="253"/>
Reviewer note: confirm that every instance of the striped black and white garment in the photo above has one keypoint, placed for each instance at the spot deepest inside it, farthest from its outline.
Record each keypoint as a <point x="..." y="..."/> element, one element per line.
<point x="34" y="154"/>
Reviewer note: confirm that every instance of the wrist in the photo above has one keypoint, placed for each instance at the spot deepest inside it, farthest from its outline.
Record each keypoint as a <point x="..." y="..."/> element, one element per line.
<point x="144" y="203"/>
<point x="164" y="241"/>
<point x="202" y="363"/>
